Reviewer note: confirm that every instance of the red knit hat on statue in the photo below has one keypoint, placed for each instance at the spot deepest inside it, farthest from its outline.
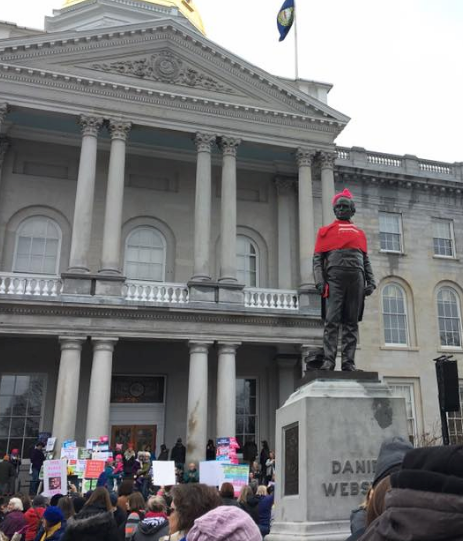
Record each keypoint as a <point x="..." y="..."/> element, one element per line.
<point x="345" y="193"/>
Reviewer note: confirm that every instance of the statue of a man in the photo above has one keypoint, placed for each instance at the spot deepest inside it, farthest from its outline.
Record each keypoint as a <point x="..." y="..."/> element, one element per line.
<point x="343" y="277"/>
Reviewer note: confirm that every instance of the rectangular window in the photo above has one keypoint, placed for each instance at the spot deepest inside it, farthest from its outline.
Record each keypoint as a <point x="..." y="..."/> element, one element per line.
<point x="390" y="232"/>
<point x="407" y="391"/>
<point x="21" y="402"/>
<point x="455" y="420"/>
<point x="246" y="411"/>
<point x="443" y="239"/>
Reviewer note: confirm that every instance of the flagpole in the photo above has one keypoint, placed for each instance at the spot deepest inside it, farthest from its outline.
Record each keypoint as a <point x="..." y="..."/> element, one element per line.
<point x="296" y="54"/>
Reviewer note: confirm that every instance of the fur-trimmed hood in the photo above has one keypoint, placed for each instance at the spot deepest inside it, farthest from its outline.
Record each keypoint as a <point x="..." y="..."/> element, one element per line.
<point x="92" y="526"/>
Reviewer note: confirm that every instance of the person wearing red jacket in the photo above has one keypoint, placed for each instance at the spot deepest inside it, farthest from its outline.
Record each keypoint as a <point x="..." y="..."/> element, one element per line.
<point x="34" y="516"/>
<point x="343" y="277"/>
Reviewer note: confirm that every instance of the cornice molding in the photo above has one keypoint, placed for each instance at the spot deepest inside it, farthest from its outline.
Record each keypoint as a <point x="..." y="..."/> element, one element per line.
<point x="117" y="91"/>
<point x="122" y="313"/>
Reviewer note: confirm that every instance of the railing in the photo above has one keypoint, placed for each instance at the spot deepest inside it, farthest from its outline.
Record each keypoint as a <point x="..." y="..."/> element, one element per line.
<point x="155" y="292"/>
<point x="384" y="159"/>
<point x="436" y="167"/>
<point x="408" y="164"/>
<point x="39" y="285"/>
<point x="271" y="298"/>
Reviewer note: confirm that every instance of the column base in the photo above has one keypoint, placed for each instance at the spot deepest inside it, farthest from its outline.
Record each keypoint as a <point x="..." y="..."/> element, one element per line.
<point x="338" y="530"/>
<point x="309" y="300"/>
<point x="202" y="290"/>
<point x="109" y="285"/>
<point x="78" y="283"/>
<point x="230" y="293"/>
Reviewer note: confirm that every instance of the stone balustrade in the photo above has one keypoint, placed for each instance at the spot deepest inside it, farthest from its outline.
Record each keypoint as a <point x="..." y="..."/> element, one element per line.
<point x="280" y="299"/>
<point x="158" y="292"/>
<point x="38" y="285"/>
<point x="407" y="164"/>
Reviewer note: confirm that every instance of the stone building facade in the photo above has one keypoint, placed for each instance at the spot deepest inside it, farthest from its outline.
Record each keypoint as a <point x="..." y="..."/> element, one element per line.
<point x="159" y="199"/>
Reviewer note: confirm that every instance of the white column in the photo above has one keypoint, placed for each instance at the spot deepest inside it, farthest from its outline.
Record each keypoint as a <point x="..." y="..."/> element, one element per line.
<point x="229" y="147"/>
<point x="327" y="167"/>
<point x="285" y="191"/>
<point x="99" y="396"/>
<point x="202" y="247"/>
<point x="226" y="390"/>
<point x="4" y="141"/>
<point x="111" y="252"/>
<point x="83" y="210"/>
<point x="306" y="216"/>
<point x="67" y="391"/>
<point x="197" y="402"/>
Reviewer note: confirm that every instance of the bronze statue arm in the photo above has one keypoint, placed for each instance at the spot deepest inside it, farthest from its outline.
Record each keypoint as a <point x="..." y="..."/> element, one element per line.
<point x="318" y="268"/>
<point x="369" y="278"/>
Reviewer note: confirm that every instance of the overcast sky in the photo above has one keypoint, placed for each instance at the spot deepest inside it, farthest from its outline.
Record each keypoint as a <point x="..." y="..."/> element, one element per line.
<point x="395" y="65"/>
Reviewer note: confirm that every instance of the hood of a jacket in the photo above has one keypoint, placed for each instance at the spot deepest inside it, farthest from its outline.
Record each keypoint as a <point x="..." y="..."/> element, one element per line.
<point x="91" y="523"/>
<point x="152" y="525"/>
<point x="413" y="515"/>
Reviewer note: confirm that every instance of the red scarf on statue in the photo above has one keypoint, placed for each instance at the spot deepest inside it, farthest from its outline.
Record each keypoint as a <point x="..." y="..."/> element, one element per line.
<point x="340" y="235"/>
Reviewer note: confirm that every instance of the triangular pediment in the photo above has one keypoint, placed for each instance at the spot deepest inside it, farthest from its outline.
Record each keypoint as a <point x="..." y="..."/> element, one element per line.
<point x="165" y="56"/>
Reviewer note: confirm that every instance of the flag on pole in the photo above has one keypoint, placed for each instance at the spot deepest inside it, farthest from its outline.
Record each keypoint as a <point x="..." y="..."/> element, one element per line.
<point x="285" y="18"/>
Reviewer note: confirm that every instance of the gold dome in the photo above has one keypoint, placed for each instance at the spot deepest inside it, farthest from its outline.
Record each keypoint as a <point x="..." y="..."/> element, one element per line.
<point x="186" y="7"/>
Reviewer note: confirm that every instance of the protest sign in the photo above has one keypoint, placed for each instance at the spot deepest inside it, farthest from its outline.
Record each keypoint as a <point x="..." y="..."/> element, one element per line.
<point x="69" y="444"/>
<point x="50" y="445"/>
<point x="70" y="453"/>
<point x="91" y="444"/>
<point x="211" y="473"/>
<point x="54" y="477"/>
<point x="102" y="455"/>
<point x="237" y="475"/>
<point x="88" y="484"/>
<point x="76" y="468"/>
<point x="93" y="469"/>
<point x="83" y="454"/>
<point x="163" y="473"/>
<point x="226" y="450"/>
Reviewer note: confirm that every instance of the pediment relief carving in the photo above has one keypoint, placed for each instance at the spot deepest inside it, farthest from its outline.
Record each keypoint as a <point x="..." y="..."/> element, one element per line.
<point x="166" y="67"/>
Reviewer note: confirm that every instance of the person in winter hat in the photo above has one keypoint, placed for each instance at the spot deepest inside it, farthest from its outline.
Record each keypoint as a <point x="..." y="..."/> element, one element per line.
<point x="224" y="524"/>
<point x="390" y="458"/>
<point x="53" y="525"/>
<point x="425" y="501"/>
<point x="343" y="277"/>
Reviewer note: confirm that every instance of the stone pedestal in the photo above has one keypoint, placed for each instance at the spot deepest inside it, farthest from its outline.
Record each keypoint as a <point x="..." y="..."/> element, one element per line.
<point x="328" y="436"/>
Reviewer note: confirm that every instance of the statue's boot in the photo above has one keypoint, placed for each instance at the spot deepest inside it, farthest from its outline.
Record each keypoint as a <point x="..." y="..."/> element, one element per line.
<point x="327" y="365"/>
<point x="348" y="367"/>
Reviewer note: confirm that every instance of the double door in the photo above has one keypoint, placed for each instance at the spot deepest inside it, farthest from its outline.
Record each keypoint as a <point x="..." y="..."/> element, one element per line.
<point x="140" y="435"/>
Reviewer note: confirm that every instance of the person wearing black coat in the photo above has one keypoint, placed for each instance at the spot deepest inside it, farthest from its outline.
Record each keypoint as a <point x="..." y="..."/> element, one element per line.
<point x="164" y="454"/>
<point x="95" y="522"/>
<point x="211" y="450"/>
<point x="178" y="454"/>
<point x="264" y="456"/>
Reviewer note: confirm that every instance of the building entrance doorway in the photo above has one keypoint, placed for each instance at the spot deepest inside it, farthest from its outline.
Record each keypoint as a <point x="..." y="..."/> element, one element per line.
<point x="140" y="435"/>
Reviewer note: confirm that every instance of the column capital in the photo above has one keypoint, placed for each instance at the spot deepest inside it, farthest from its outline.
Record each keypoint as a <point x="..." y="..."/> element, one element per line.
<point x="229" y="145"/>
<point x="305" y="156"/>
<point x="90" y="125"/>
<point x="119" y="129"/>
<point x="228" y="347"/>
<point x="4" y="110"/>
<point x="199" y="347"/>
<point x="104" y="344"/>
<point x="4" y="146"/>
<point x="327" y="159"/>
<point x="204" y="141"/>
<point x="72" y="342"/>
<point x="285" y="185"/>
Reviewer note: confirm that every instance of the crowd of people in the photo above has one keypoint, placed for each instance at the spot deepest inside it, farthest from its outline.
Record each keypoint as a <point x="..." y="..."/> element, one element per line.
<point x="186" y="512"/>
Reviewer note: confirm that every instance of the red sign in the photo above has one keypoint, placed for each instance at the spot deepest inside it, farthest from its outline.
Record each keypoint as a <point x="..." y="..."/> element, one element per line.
<point x="93" y="469"/>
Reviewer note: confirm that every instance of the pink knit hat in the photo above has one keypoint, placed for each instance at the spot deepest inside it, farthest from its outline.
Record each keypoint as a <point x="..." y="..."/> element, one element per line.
<point x="225" y="523"/>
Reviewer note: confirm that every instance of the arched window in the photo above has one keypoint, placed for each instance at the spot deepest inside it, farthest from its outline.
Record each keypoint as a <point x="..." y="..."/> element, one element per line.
<point x="145" y="255"/>
<point x="448" y="312"/>
<point x="395" y="315"/>
<point x="247" y="261"/>
<point x="38" y="244"/>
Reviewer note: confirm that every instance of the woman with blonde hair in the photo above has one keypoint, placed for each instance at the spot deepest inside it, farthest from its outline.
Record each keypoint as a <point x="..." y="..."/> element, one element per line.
<point x="249" y="503"/>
